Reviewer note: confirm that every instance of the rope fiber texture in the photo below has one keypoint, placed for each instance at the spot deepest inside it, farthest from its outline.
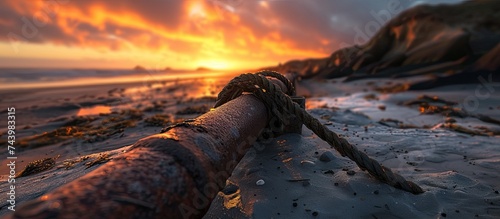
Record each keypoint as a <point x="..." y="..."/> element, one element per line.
<point x="280" y="104"/>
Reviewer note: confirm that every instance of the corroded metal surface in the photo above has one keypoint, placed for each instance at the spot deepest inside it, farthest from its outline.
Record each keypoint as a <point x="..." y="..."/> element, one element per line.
<point x="174" y="174"/>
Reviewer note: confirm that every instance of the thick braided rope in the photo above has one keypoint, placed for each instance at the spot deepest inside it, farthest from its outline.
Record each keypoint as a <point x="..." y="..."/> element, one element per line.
<point x="289" y="86"/>
<point x="273" y="97"/>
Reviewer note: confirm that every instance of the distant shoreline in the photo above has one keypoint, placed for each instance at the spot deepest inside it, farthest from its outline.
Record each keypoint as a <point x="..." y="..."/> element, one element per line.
<point x="41" y="79"/>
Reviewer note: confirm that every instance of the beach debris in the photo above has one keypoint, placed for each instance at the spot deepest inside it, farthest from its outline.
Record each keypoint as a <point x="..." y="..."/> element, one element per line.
<point x="103" y="132"/>
<point x="351" y="172"/>
<point x="157" y="106"/>
<point x="160" y="120"/>
<point x="80" y="120"/>
<point x="458" y="128"/>
<point x="133" y="114"/>
<point x="260" y="182"/>
<point x="435" y="105"/>
<point x="101" y="158"/>
<point x="425" y="99"/>
<point x="307" y="163"/>
<point x="52" y="137"/>
<point x="70" y="163"/>
<point x="326" y="156"/>
<point x="371" y="97"/>
<point x="38" y="166"/>
<point x="488" y="119"/>
<point x="86" y="128"/>
<point x="443" y="110"/>
<point x="393" y="88"/>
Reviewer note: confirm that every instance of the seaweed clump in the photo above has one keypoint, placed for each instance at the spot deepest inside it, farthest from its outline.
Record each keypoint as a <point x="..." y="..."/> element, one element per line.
<point x="68" y="164"/>
<point x="436" y="105"/>
<point x="159" y="120"/>
<point x="101" y="158"/>
<point x="38" y="166"/>
<point x="86" y="128"/>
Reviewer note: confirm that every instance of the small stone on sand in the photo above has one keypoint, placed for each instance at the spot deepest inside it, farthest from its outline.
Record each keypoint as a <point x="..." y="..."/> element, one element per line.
<point x="326" y="156"/>
<point x="260" y="182"/>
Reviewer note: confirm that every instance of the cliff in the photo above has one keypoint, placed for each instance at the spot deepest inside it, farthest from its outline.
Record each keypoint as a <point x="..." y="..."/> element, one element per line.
<point x="458" y="39"/>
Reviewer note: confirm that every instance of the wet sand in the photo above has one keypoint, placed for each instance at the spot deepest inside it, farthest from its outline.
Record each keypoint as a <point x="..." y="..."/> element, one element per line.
<point x="449" y="149"/>
<point x="457" y="169"/>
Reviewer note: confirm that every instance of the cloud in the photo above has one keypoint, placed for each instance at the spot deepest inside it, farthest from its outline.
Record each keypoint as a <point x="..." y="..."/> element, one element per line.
<point x="265" y="31"/>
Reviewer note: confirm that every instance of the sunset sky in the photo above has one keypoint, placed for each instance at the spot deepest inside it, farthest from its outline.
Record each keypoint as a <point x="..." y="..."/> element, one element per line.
<point x="182" y="34"/>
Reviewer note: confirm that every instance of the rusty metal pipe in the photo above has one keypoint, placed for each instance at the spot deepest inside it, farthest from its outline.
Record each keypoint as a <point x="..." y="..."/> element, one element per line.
<point x="175" y="174"/>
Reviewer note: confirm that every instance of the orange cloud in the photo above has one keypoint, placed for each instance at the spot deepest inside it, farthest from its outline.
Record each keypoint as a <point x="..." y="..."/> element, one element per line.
<point x="201" y="34"/>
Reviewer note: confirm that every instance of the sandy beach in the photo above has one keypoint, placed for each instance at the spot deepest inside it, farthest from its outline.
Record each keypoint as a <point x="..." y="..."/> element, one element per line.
<point x="77" y="118"/>
<point x="457" y="170"/>
<point x="457" y="167"/>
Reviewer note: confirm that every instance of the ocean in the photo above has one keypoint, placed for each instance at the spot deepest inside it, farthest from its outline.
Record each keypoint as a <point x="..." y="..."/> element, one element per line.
<point x="16" y="78"/>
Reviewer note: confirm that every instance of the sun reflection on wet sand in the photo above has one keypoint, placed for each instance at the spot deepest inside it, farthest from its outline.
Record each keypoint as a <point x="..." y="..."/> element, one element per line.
<point x="95" y="110"/>
<point x="179" y="89"/>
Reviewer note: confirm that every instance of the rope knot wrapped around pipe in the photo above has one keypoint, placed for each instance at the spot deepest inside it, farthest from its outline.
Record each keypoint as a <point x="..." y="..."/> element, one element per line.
<point x="279" y="104"/>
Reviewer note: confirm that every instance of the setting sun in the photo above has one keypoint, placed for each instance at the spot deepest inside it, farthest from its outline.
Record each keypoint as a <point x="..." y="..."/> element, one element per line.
<point x="196" y="9"/>
<point x="176" y="34"/>
<point x="264" y="4"/>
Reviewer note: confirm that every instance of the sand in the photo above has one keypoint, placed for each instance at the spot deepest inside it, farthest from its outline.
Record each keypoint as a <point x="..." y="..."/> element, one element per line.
<point x="458" y="168"/>
<point x="458" y="171"/>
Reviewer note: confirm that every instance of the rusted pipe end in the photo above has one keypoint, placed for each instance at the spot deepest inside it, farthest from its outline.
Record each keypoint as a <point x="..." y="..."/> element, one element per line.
<point x="175" y="174"/>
